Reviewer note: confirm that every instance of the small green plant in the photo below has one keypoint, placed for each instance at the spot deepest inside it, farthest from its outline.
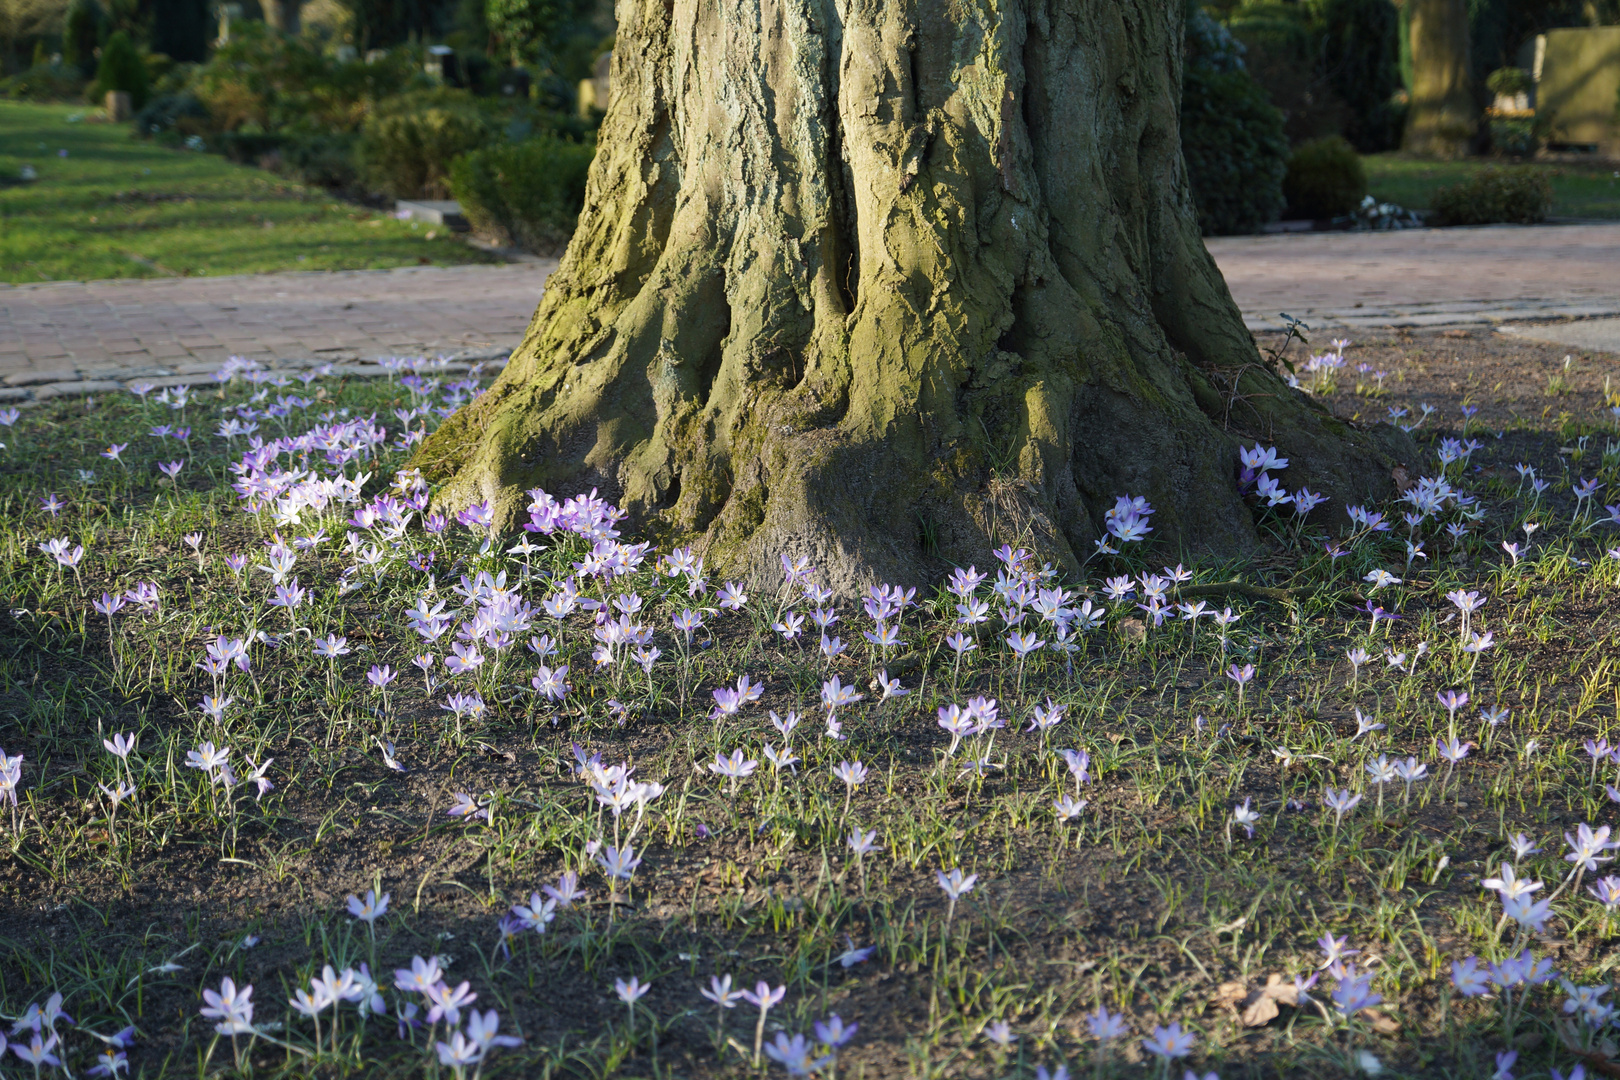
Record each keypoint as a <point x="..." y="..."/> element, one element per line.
<point x="261" y="81"/>
<point x="1231" y="135"/>
<point x="1515" y="136"/>
<point x="1508" y="81"/>
<point x="1495" y="196"/>
<point x="44" y="82"/>
<point x="1324" y="179"/>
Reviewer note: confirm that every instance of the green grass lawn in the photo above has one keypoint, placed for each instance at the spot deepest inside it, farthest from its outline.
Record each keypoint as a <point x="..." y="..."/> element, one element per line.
<point x="1062" y="840"/>
<point x="115" y="206"/>
<point x="1579" y="191"/>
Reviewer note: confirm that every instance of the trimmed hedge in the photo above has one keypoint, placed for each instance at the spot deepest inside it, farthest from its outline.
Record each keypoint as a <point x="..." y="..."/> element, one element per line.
<point x="407" y="144"/>
<point x="1495" y="196"/>
<point x="1325" y="179"/>
<point x="528" y="194"/>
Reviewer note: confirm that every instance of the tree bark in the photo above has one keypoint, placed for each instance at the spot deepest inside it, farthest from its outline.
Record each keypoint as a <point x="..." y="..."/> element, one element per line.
<point x="1444" y="116"/>
<point x="887" y="283"/>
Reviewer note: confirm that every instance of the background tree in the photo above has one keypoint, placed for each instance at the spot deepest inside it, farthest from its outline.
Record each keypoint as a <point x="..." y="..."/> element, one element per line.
<point x="84" y="28"/>
<point x="283" y="15"/>
<point x="519" y="26"/>
<point x="24" y="26"/>
<point x="1444" y="114"/>
<point x="884" y="284"/>
<point x="180" y="29"/>
<point x="1360" y="51"/>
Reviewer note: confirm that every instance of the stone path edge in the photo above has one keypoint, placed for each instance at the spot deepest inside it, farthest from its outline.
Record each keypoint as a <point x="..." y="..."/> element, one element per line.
<point x="31" y="389"/>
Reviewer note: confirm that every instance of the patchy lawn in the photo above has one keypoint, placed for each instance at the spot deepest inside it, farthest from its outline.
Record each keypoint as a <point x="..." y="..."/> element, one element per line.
<point x="107" y="205"/>
<point x="1579" y="191"/>
<point x="1238" y="838"/>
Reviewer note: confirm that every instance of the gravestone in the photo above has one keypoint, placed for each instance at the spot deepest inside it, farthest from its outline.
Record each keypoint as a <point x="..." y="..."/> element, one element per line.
<point x="1578" y="87"/>
<point x="440" y="63"/>
<point x="446" y="212"/>
<point x="593" y="92"/>
<point x="119" y="106"/>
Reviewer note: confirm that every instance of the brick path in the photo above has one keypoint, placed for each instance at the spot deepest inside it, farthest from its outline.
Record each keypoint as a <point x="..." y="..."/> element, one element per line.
<point x="76" y="337"/>
<point x="1425" y="277"/>
<point x="52" y="335"/>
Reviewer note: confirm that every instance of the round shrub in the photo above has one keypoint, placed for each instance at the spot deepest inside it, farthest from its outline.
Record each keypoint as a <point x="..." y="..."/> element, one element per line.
<point x="1495" y="196"/>
<point x="323" y="160"/>
<point x="121" y="69"/>
<point x="1324" y="179"/>
<point x="407" y="145"/>
<point x="1236" y="154"/>
<point x="527" y="193"/>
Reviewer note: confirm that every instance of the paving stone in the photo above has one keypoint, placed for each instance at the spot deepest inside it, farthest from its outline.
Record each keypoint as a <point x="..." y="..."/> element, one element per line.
<point x="196" y="367"/>
<point x="71" y="389"/>
<point x="35" y="378"/>
<point x="1422" y="277"/>
<point x="175" y="326"/>
<point x="1602" y="335"/>
<point x="194" y="379"/>
<point x="52" y="332"/>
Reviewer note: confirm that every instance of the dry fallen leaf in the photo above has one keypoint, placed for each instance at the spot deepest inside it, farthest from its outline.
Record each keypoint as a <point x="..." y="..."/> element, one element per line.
<point x="1384" y="1025"/>
<point x="1259" y="1004"/>
<point x="1261" y="1013"/>
<point x="1285" y="992"/>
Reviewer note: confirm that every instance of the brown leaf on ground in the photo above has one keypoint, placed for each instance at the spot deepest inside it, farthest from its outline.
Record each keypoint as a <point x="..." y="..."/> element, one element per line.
<point x="1381" y="1023"/>
<point x="1261" y="1013"/>
<point x="1258" y="1004"/>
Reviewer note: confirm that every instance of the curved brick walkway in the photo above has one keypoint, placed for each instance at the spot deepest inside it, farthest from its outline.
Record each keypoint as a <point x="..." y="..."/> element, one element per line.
<point x="77" y="337"/>
<point x="1425" y="277"/>
<point x="62" y="337"/>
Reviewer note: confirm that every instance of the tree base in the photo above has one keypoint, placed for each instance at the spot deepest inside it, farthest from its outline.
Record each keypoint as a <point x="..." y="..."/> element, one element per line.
<point x="939" y="289"/>
<point x="909" y="507"/>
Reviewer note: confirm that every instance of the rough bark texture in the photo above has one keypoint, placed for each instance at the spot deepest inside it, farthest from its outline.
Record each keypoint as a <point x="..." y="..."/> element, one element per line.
<point x="887" y="283"/>
<point x="1444" y="116"/>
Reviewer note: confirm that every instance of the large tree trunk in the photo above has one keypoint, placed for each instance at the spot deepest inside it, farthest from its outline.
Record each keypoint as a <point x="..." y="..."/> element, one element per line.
<point x="887" y="283"/>
<point x="1444" y="116"/>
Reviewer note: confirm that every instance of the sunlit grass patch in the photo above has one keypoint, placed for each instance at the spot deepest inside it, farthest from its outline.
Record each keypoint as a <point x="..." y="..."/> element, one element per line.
<point x="105" y="205"/>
